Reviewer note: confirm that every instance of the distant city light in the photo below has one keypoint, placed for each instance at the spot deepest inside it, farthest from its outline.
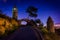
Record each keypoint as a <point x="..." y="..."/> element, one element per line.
<point x="57" y="25"/>
<point x="38" y="24"/>
<point x="23" y="23"/>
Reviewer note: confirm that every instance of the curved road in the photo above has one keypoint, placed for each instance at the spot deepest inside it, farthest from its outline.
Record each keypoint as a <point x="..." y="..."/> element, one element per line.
<point x="26" y="33"/>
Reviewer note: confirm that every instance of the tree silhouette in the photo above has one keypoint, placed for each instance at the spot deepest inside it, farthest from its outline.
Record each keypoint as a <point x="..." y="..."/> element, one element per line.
<point x="32" y="11"/>
<point x="39" y="22"/>
<point x="50" y="25"/>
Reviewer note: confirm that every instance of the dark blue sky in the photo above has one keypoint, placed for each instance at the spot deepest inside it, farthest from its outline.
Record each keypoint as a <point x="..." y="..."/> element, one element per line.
<point x="45" y="8"/>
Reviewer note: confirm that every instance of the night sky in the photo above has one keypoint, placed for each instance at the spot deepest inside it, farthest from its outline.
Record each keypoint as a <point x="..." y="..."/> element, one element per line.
<point x="46" y="8"/>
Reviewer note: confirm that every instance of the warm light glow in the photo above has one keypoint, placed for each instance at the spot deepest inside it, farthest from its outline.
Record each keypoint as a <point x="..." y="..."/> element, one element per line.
<point x="15" y="9"/>
<point x="57" y="25"/>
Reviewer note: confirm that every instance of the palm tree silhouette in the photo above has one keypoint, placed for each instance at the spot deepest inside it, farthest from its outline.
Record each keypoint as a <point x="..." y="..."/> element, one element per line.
<point x="32" y="11"/>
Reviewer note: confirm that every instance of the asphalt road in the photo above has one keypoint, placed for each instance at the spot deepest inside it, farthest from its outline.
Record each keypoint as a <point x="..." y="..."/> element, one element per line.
<point x="26" y="33"/>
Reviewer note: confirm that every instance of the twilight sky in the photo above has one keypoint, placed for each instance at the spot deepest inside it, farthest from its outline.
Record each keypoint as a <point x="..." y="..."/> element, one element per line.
<point x="46" y="8"/>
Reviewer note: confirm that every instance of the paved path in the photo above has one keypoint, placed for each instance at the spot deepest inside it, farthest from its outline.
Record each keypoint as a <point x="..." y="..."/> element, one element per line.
<point x="26" y="33"/>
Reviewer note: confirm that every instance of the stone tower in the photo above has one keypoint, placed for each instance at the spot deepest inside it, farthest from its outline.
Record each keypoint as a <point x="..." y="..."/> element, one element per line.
<point x="50" y="25"/>
<point x="15" y="13"/>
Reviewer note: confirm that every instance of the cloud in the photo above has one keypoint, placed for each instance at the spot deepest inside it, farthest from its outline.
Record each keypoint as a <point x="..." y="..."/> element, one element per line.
<point x="4" y="1"/>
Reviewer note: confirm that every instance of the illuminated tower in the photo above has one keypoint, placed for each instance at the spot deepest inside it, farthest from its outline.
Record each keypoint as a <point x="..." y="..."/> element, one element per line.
<point x="50" y="25"/>
<point x="15" y="13"/>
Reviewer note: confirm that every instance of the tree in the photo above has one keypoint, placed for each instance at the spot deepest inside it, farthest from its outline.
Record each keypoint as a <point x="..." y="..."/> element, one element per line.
<point x="39" y="23"/>
<point x="33" y="23"/>
<point x="50" y="25"/>
<point x="32" y="11"/>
